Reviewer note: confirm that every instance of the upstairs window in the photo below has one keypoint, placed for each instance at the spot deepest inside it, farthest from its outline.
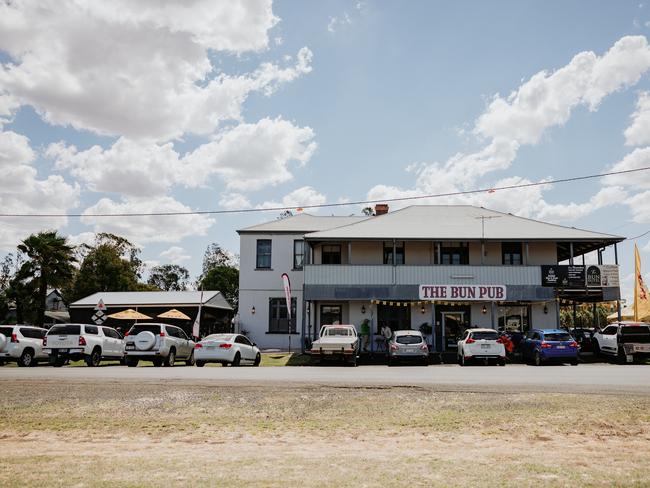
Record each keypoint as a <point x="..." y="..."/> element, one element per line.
<point x="332" y="254"/>
<point x="298" y="254"/>
<point x="511" y="253"/>
<point x="454" y="253"/>
<point x="399" y="253"/>
<point x="263" y="254"/>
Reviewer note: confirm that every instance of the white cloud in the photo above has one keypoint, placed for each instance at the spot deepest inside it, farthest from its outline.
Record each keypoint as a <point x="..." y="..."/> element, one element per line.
<point x="234" y="201"/>
<point x="638" y="133"/>
<point x="303" y="196"/>
<point x="639" y="158"/>
<point x="335" y="22"/>
<point x="138" y="69"/>
<point x="175" y="255"/>
<point x="146" y="229"/>
<point x="128" y="167"/>
<point x="22" y="192"/>
<point x="251" y="156"/>
<point x="545" y="100"/>
<point x="639" y="205"/>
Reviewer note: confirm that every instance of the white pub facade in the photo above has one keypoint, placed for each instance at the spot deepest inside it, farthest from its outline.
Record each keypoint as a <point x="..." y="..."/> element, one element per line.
<point x="439" y="269"/>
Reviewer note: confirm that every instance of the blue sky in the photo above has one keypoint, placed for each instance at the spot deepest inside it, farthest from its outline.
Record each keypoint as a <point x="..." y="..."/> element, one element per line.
<point x="310" y="102"/>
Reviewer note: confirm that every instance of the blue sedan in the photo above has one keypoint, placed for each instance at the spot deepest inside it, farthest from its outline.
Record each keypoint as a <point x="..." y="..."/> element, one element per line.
<point x="550" y="345"/>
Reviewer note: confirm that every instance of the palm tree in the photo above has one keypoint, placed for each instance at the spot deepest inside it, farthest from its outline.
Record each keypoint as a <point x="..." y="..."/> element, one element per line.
<point x="49" y="264"/>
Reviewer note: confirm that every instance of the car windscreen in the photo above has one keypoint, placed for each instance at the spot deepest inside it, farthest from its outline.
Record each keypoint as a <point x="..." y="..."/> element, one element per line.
<point x="65" y="330"/>
<point x="136" y="329"/>
<point x="635" y="329"/>
<point x="557" y="336"/>
<point x="408" y="339"/>
<point x="338" y="331"/>
<point x="486" y="336"/>
<point x="6" y="331"/>
<point x="219" y="337"/>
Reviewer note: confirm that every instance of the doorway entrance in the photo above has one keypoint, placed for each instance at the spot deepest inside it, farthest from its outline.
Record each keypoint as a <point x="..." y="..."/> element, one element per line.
<point x="397" y="318"/>
<point x="453" y="326"/>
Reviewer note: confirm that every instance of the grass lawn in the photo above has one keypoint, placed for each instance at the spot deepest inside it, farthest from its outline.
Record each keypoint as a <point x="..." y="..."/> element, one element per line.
<point x="144" y="434"/>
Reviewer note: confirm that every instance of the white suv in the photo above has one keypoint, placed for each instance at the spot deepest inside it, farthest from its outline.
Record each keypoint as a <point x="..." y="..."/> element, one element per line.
<point x="22" y="343"/>
<point x="158" y="343"/>
<point x="82" y="341"/>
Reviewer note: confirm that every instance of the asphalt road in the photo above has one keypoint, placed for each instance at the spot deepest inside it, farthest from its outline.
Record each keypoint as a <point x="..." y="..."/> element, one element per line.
<point x="585" y="378"/>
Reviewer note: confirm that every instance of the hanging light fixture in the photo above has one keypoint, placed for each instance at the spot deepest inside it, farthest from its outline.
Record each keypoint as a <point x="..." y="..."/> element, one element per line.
<point x="253" y="310"/>
<point x="484" y="310"/>
<point x="422" y="309"/>
<point x="545" y="309"/>
<point x="363" y="309"/>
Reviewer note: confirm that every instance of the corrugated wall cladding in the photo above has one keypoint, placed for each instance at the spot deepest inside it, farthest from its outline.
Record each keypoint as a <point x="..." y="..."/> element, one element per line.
<point x="335" y="274"/>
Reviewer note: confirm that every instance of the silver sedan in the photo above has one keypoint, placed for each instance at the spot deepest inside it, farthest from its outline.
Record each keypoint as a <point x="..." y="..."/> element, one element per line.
<point x="408" y="344"/>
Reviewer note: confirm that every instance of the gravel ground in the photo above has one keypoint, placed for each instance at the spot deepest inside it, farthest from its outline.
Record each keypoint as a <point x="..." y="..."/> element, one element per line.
<point x="130" y="434"/>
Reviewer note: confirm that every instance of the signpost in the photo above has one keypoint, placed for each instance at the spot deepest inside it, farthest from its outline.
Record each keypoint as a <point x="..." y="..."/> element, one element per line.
<point x="579" y="277"/>
<point x="99" y="317"/>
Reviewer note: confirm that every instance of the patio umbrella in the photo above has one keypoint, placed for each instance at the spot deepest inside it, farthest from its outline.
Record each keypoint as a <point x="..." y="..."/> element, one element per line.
<point x="129" y="314"/>
<point x="627" y="313"/>
<point x="174" y="314"/>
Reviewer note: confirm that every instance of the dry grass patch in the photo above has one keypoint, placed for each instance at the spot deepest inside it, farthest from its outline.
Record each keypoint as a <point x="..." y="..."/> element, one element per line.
<point x="129" y="434"/>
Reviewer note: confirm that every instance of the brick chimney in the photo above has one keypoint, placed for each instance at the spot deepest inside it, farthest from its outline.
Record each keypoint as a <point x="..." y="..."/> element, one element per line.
<point x="381" y="209"/>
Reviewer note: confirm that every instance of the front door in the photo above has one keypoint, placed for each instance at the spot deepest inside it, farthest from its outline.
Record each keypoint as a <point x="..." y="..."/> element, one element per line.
<point x="452" y="329"/>
<point x="396" y="317"/>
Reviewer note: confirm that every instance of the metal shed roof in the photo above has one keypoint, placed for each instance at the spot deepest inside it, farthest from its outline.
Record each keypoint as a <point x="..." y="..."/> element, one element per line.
<point x="302" y="223"/>
<point x="211" y="298"/>
<point x="458" y="222"/>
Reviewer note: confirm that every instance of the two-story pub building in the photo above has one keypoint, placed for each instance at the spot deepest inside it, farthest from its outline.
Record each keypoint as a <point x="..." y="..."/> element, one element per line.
<point x="439" y="269"/>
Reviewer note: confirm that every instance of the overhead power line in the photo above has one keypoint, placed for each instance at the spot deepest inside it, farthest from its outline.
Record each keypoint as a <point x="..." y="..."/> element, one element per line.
<point x="331" y="205"/>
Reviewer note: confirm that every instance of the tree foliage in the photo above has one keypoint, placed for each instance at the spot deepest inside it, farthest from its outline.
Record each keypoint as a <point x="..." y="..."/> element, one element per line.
<point x="111" y="264"/>
<point x="169" y="277"/>
<point x="215" y="256"/>
<point x="224" y="279"/>
<point x="49" y="263"/>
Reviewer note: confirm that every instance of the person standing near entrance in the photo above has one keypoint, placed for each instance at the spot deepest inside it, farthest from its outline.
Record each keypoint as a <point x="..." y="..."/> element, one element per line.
<point x="364" y="332"/>
<point x="387" y="333"/>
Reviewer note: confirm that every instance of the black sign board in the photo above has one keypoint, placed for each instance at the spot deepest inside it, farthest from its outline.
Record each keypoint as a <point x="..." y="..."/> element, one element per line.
<point x="563" y="276"/>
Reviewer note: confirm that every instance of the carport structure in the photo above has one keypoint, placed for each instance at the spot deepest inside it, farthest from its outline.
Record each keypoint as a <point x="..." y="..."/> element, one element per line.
<point x="216" y="312"/>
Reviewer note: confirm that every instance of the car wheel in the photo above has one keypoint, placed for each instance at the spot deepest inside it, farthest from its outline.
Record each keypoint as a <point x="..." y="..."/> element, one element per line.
<point x="95" y="358"/>
<point x="621" y="356"/>
<point x="258" y="359"/>
<point x="236" y="360"/>
<point x="157" y="362"/>
<point x="2" y="363"/>
<point x="199" y="364"/>
<point x="502" y="362"/>
<point x="171" y="358"/>
<point x="26" y="359"/>
<point x="56" y="361"/>
<point x="131" y="362"/>
<point x="190" y="361"/>
<point x="574" y="362"/>
<point x="537" y="359"/>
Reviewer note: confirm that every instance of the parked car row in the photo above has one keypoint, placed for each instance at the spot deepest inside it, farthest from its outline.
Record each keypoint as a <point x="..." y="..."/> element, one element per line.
<point x="159" y="343"/>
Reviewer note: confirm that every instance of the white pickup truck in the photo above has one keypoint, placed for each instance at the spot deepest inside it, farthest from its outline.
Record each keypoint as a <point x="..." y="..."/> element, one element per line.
<point x="338" y="342"/>
<point x="625" y="341"/>
<point x="82" y="341"/>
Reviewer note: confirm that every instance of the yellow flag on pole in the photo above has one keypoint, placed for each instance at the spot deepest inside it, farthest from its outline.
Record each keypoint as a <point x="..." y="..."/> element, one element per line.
<point x="641" y="297"/>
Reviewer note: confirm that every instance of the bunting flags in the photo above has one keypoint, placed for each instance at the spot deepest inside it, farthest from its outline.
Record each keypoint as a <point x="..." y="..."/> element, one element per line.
<point x="391" y="303"/>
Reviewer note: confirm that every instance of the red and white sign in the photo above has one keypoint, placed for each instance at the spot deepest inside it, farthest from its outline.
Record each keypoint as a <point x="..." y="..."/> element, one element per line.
<point x="100" y="305"/>
<point x="287" y="292"/>
<point x="463" y="293"/>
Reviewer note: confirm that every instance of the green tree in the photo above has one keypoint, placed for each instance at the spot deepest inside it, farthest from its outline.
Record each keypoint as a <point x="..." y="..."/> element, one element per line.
<point x="215" y="256"/>
<point x="111" y="263"/>
<point x="49" y="264"/>
<point x="224" y="279"/>
<point x="169" y="277"/>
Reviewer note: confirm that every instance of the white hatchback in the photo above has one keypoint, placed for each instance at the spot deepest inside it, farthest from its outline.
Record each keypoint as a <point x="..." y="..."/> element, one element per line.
<point x="233" y="349"/>
<point x="483" y="344"/>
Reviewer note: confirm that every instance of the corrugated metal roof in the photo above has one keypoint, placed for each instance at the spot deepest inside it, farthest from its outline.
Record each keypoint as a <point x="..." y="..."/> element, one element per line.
<point x="304" y="223"/>
<point x="211" y="298"/>
<point x="456" y="222"/>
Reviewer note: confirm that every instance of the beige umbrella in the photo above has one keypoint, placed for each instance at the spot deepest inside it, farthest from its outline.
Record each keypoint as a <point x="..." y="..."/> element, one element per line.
<point x="174" y="314"/>
<point x="129" y="314"/>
